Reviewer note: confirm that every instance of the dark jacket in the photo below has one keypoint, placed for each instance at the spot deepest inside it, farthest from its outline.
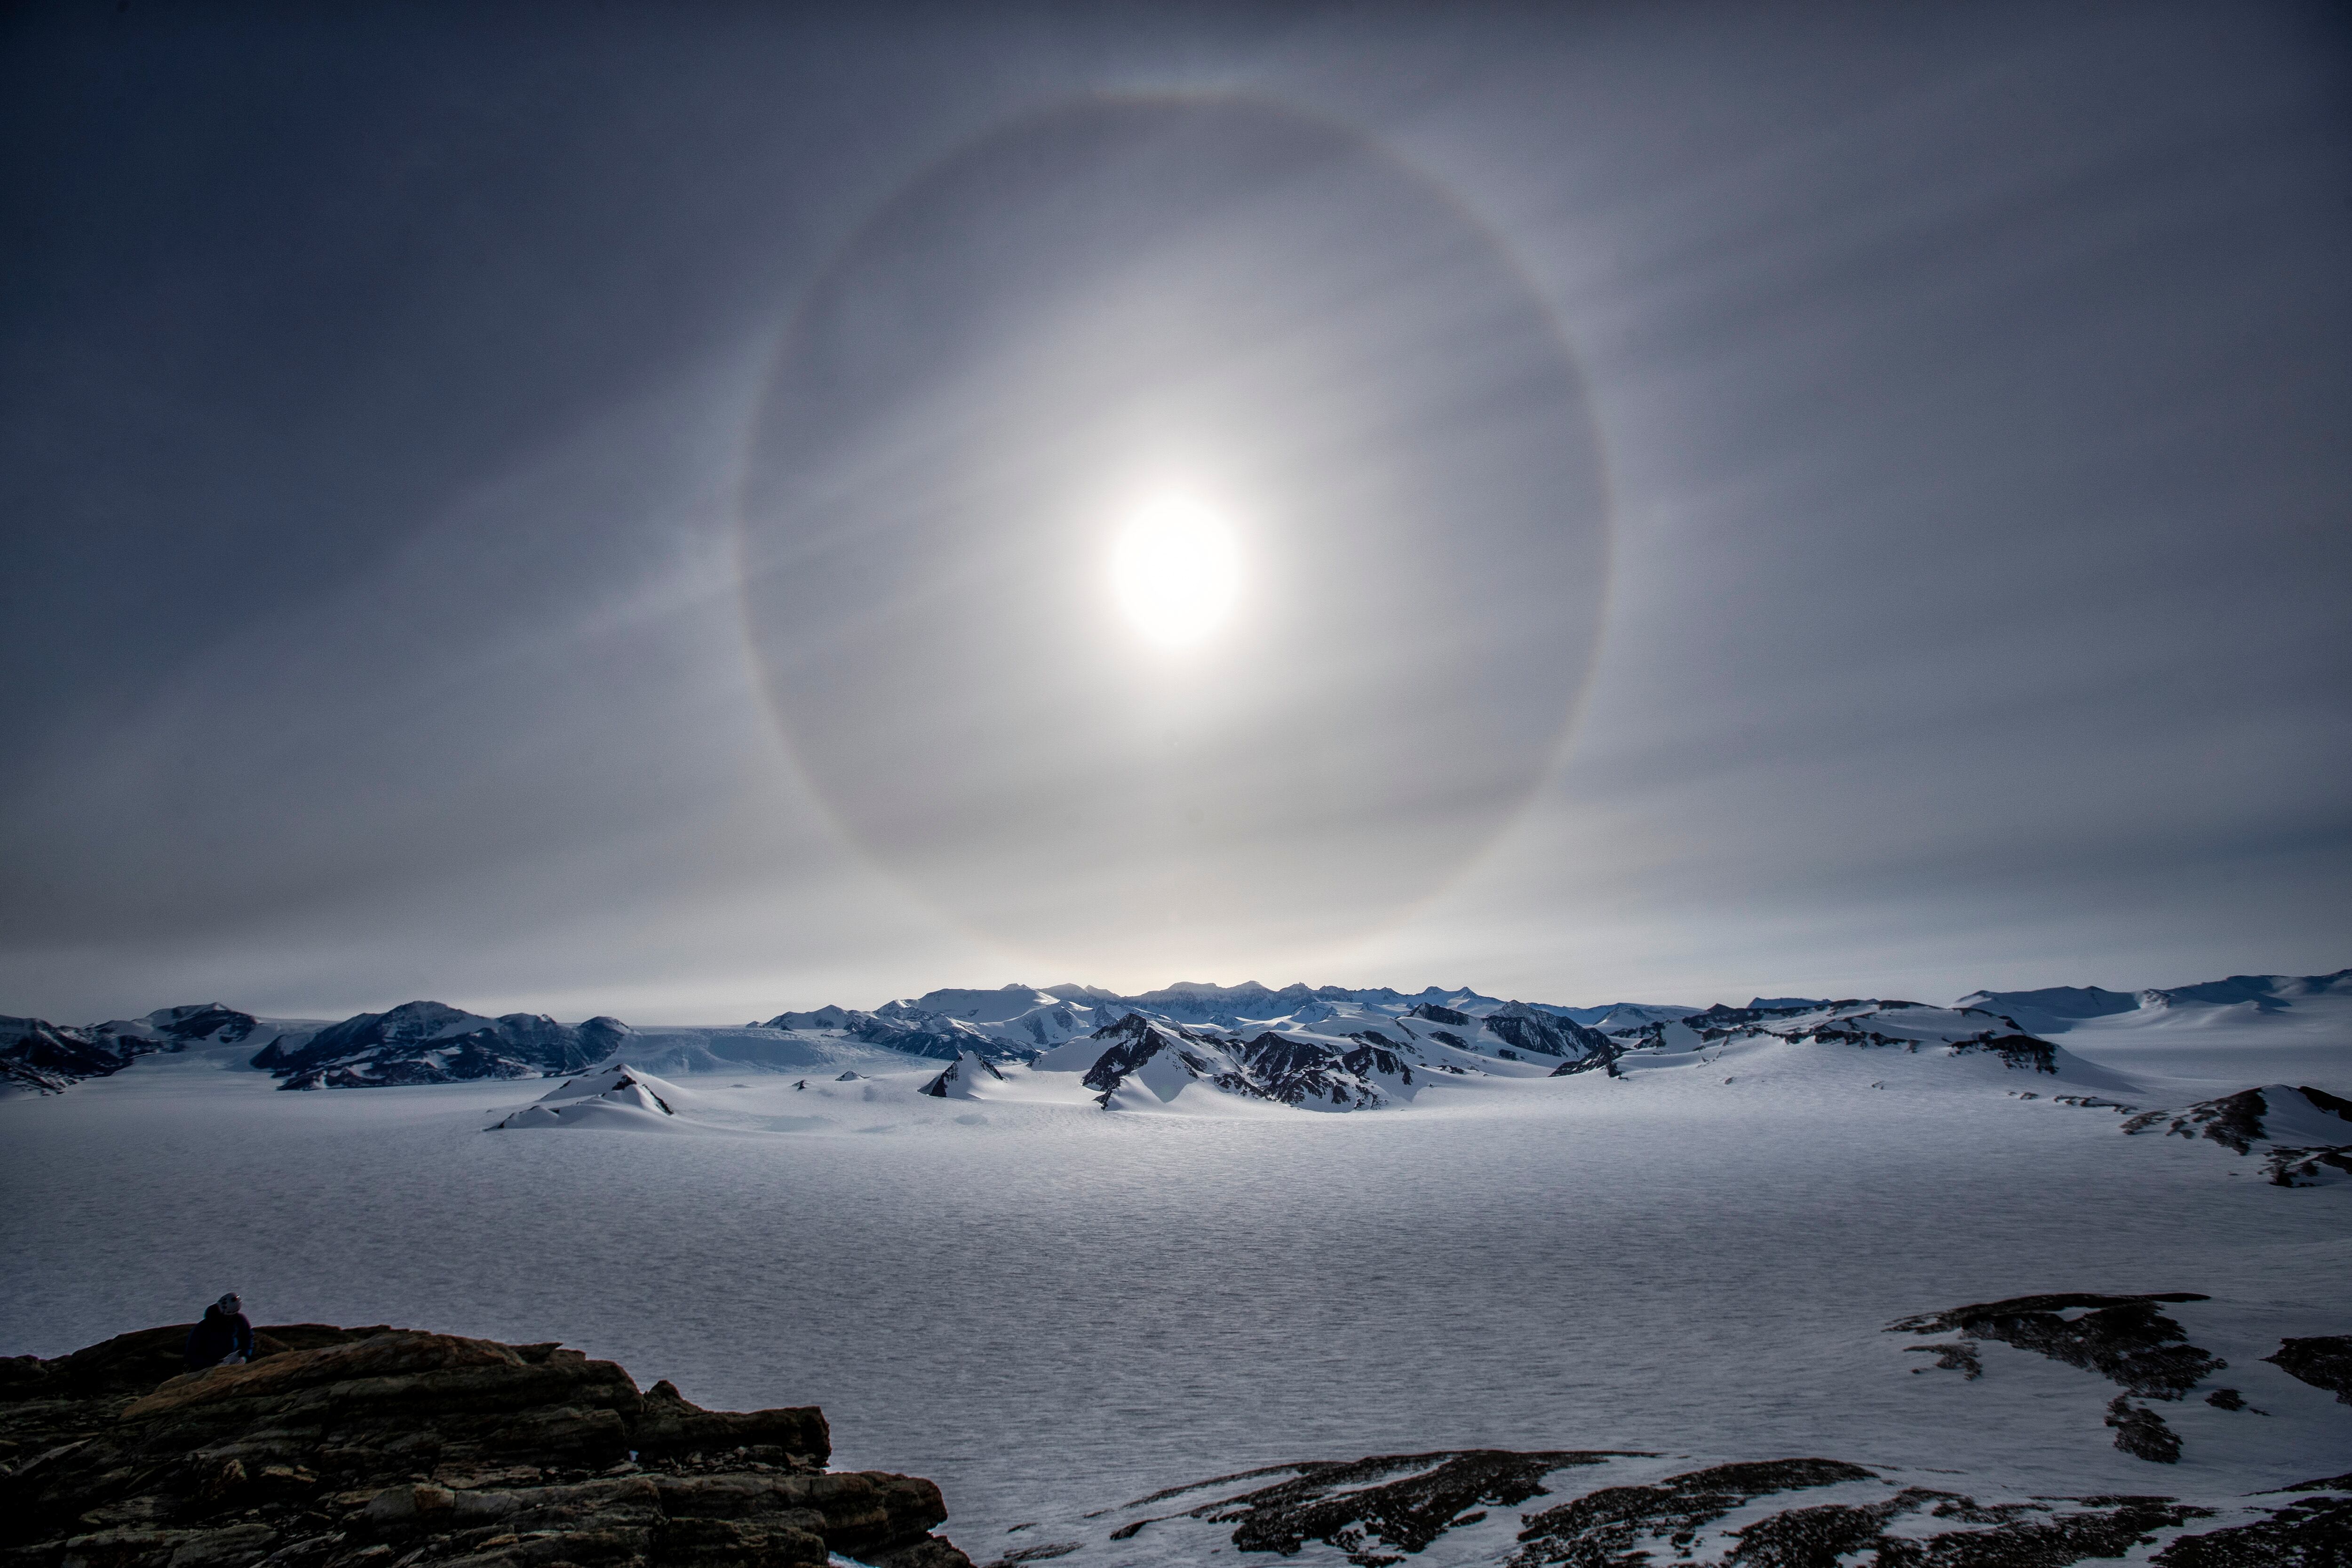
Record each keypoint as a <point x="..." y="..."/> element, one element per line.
<point x="218" y="1337"/>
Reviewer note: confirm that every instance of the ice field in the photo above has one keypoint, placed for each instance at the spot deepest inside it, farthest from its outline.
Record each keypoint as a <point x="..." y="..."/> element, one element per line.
<point x="1045" y="1306"/>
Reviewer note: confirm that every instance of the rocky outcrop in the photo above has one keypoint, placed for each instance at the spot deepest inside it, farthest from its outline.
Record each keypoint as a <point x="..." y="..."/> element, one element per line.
<point x="371" y="1446"/>
<point x="2238" y="1121"/>
<point x="961" y="1076"/>
<point x="1535" y="1031"/>
<point x="2323" y="1360"/>
<point x="1505" y="1508"/>
<point x="2123" y="1339"/>
<point x="2304" y="1133"/>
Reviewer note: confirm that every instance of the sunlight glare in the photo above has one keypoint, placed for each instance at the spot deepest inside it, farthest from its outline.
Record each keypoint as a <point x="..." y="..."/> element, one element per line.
<point x="1177" y="571"/>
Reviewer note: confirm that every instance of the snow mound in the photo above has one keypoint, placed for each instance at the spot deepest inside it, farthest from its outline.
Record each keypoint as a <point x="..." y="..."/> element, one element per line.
<point x="964" y="1077"/>
<point x="618" y="1096"/>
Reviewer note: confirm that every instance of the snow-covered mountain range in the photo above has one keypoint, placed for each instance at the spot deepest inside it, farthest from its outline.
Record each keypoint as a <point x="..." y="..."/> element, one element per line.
<point x="1326" y="1047"/>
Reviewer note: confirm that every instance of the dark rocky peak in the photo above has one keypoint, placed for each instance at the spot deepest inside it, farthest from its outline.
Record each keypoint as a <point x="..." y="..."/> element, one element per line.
<point x="413" y="1021"/>
<point x="42" y="1057"/>
<point x="1379" y="995"/>
<point x="902" y="1026"/>
<point x="1438" y="1014"/>
<point x="339" y="1446"/>
<point x="1128" y="1044"/>
<point x="213" y="1021"/>
<point x="430" y="1042"/>
<point x="1547" y="1034"/>
<point x="1293" y="1071"/>
<point x="824" y="1018"/>
<point x="1723" y="1017"/>
<point x="960" y="1076"/>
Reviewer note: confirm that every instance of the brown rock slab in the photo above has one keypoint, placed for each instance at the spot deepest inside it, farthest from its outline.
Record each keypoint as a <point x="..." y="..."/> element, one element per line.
<point x="354" y="1448"/>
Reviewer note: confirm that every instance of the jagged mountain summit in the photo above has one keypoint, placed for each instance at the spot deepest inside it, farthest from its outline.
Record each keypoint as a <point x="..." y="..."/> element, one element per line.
<point x="1136" y="1064"/>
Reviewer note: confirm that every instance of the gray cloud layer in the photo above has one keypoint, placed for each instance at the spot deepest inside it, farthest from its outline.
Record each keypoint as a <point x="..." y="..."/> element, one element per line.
<point x="1973" y="385"/>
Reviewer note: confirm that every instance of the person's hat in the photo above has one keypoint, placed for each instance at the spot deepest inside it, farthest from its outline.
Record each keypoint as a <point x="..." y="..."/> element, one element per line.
<point x="229" y="1303"/>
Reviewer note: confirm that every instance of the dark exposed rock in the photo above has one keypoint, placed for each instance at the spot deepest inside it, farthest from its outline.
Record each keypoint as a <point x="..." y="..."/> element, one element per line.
<point x="2308" y="1167"/>
<point x="1546" y="1034"/>
<point x="1128" y="1044"/>
<point x="1956" y="1355"/>
<point x="1722" y="1020"/>
<point x="969" y="1066"/>
<point x="1379" y="1511"/>
<point x="2235" y="1120"/>
<point x="1402" y="1501"/>
<point x="2015" y="1050"/>
<point x="2020" y="1537"/>
<point x="1045" y="1552"/>
<point x="370" y="1445"/>
<point x="2142" y="1433"/>
<point x="2326" y="1101"/>
<point x="1603" y="1528"/>
<point x="1271" y="1066"/>
<point x="2123" y="1337"/>
<point x="669" y="1426"/>
<point x="2227" y="1399"/>
<point x="426" y="1042"/>
<point x="1437" y="1015"/>
<point x="2313" y="1534"/>
<point x="50" y="1058"/>
<point x="919" y="1032"/>
<point x="2323" y="1361"/>
<point x="206" y="1021"/>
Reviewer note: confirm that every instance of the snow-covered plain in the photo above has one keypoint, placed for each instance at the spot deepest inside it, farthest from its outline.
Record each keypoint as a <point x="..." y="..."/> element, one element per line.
<point x="1050" y="1308"/>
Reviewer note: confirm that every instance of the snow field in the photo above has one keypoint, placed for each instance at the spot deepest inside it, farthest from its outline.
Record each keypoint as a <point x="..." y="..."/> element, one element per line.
<point x="1041" y="1306"/>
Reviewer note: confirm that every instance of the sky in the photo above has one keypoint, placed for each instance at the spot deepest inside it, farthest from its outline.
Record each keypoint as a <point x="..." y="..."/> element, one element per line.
<point x="687" y="511"/>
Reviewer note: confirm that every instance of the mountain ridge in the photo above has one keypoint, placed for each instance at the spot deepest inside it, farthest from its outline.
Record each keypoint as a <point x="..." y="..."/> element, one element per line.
<point x="424" y="1041"/>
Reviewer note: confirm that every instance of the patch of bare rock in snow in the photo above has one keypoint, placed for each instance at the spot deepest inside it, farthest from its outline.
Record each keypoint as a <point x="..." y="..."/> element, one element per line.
<point x="1604" y="1509"/>
<point x="2305" y="1134"/>
<point x="1619" y="1509"/>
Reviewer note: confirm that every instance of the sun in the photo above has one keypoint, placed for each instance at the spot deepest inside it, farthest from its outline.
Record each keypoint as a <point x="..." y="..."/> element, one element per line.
<point x="1176" y="568"/>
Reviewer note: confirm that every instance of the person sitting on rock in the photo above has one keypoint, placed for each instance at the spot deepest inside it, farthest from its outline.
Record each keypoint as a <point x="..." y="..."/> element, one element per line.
<point x="224" y="1336"/>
